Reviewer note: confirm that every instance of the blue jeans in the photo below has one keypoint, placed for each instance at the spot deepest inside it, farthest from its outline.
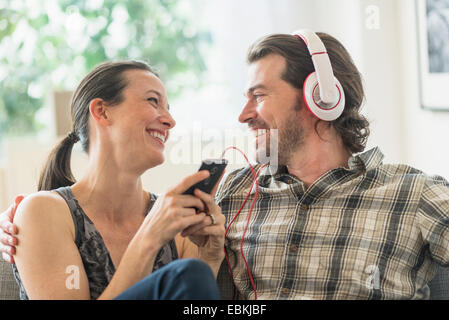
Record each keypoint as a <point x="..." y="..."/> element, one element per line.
<point x="183" y="279"/>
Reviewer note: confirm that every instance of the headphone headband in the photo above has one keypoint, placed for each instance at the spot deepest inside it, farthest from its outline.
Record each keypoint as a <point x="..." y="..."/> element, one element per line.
<point x="321" y="63"/>
<point x="323" y="93"/>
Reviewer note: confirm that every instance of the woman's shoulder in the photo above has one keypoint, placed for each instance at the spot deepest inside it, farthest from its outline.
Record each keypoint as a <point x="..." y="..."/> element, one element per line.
<point x="42" y="207"/>
<point x="42" y="199"/>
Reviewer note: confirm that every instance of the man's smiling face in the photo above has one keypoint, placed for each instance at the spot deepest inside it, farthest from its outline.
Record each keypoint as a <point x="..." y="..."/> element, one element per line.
<point x="273" y="104"/>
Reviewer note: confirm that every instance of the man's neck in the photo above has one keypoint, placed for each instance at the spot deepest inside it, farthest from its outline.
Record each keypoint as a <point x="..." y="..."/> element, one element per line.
<point x="316" y="158"/>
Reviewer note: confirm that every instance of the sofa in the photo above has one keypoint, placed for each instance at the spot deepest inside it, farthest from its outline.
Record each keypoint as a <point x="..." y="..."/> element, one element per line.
<point x="8" y="286"/>
<point x="439" y="286"/>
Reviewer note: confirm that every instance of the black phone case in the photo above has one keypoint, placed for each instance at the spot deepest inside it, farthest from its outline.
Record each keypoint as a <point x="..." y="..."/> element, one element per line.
<point x="215" y="168"/>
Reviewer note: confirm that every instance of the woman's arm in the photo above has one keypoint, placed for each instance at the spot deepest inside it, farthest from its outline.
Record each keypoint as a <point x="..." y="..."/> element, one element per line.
<point x="47" y="258"/>
<point x="137" y="262"/>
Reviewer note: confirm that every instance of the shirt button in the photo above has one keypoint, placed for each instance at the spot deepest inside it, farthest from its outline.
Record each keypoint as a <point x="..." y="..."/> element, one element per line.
<point x="304" y="207"/>
<point x="285" y="290"/>
<point x="293" y="247"/>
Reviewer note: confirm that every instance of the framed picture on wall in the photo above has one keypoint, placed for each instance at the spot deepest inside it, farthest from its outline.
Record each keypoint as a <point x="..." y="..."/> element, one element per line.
<point x="433" y="41"/>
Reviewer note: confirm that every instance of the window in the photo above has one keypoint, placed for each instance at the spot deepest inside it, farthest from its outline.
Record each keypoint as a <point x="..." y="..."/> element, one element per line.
<point x="51" y="45"/>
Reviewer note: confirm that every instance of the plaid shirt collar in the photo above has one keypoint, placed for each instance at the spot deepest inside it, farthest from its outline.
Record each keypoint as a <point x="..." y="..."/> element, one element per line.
<point x="357" y="163"/>
<point x="367" y="160"/>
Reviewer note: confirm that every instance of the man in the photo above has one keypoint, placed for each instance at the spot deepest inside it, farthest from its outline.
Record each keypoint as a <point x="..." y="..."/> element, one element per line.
<point x="330" y="222"/>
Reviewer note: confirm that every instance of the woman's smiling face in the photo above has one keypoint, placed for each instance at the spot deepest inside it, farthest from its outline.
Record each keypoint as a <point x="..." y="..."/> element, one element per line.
<point x="141" y="122"/>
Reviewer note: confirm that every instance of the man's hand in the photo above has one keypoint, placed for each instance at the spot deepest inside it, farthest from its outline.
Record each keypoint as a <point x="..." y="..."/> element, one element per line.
<point x="208" y="235"/>
<point x="8" y="231"/>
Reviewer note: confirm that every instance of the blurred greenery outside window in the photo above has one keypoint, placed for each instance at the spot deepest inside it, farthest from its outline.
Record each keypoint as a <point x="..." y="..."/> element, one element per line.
<point x="48" y="45"/>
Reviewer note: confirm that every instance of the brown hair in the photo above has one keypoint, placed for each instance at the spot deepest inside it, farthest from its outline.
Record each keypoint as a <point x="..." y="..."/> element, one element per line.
<point x="352" y="127"/>
<point x="106" y="81"/>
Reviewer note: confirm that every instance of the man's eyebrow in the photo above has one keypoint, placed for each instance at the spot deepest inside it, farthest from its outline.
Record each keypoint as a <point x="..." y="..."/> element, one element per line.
<point x="253" y="88"/>
<point x="159" y="95"/>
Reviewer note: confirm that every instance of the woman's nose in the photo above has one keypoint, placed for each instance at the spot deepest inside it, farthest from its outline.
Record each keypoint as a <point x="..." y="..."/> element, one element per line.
<point x="167" y="120"/>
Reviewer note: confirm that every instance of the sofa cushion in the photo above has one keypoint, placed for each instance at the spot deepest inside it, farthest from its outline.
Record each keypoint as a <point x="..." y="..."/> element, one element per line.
<point x="8" y="286"/>
<point x="439" y="286"/>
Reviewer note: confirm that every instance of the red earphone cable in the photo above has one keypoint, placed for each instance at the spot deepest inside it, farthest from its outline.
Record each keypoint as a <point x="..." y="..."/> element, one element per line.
<point x="247" y="222"/>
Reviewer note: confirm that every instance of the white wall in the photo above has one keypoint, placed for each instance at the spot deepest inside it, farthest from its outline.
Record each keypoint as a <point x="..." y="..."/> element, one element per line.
<point x="380" y="52"/>
<point x="426" y="132"/>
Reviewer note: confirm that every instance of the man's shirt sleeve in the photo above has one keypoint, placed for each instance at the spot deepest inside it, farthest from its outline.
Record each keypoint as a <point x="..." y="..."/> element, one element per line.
<point x="433" y="218"/>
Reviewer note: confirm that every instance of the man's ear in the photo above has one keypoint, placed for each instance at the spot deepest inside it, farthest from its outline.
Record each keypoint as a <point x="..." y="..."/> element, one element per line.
<point x="99" y="111"/>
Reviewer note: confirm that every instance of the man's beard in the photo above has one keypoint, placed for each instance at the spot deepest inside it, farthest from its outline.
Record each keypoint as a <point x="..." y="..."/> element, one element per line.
<point x="280" y="144"/>
<point x="291" y="139"/>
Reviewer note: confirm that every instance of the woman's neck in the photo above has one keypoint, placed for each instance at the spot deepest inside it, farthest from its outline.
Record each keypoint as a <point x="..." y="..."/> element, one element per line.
<point x="109" y="190"/>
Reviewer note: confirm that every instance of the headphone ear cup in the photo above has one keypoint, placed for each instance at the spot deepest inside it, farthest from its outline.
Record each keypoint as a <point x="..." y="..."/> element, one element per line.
<point x="310" y="89"/>
<point x="307" y="91"/>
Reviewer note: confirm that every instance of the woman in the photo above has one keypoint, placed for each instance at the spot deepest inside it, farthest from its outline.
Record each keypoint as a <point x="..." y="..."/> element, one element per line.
<point x="97" y="237"/>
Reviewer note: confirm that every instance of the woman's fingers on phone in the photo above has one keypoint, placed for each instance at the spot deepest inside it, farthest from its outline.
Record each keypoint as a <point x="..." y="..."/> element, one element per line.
<point x="207" y="198"/>
<point x="192" y="220"/>
<point x="194" y="228"/>
<point x="192" y="202"/>
<point x="185" y="212"/>
<point x="190" y="180"/>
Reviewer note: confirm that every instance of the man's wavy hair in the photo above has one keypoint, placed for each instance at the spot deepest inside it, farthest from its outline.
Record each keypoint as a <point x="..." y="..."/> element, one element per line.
<point x="352" y="127"/>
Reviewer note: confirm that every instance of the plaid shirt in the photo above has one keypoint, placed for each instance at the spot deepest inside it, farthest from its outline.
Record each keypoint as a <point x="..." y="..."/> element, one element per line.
<point x="375" y="231"/>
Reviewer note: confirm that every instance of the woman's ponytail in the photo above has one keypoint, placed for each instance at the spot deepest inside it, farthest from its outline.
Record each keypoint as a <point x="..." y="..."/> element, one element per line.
<point x="57" y="172"/>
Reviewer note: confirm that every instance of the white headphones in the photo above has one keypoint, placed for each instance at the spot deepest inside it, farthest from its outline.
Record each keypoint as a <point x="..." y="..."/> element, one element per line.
<point x="323" y="93"/>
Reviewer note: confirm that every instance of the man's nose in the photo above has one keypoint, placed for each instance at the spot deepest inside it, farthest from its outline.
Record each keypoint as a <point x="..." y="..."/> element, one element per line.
<point x="248" y="112"/>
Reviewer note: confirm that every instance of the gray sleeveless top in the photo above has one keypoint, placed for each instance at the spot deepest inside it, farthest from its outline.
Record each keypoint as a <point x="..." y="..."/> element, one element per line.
<point x="94" y="254"/>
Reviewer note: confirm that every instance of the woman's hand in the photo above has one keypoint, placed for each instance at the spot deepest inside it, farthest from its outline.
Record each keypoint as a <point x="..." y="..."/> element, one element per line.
<point x="8" y="231"/>
<point x="208" y="235"/>
<point x="174" y="212"/>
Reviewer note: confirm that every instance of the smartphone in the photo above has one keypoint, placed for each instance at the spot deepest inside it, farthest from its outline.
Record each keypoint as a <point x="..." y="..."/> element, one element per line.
<point x="216" y="168"/>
